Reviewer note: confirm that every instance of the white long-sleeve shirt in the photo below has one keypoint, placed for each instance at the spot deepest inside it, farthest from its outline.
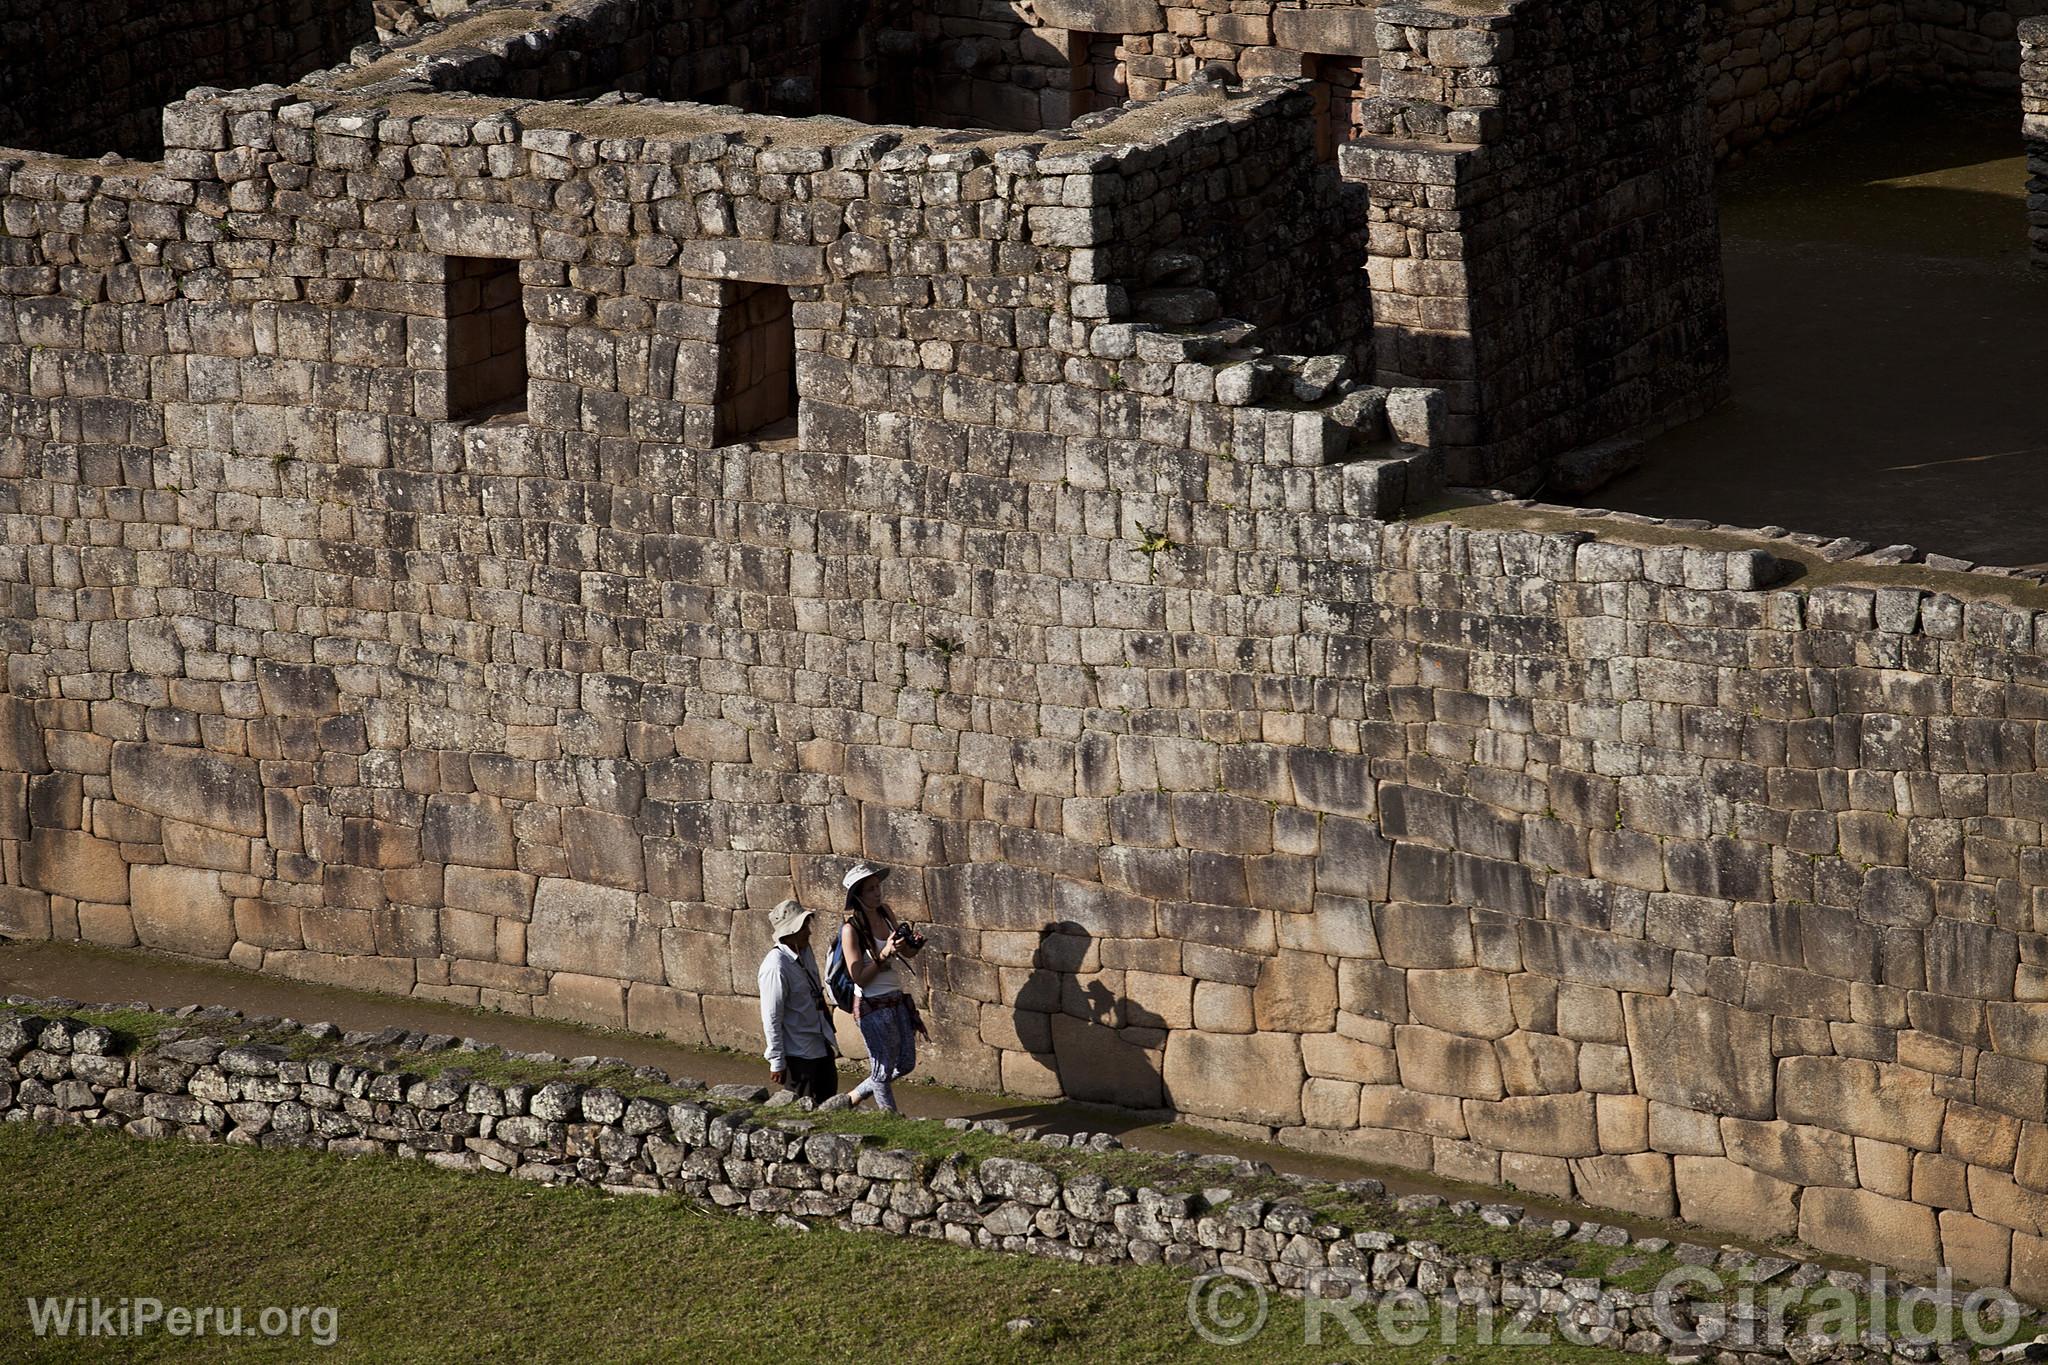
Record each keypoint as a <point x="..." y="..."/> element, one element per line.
<point x="792" y="1018"/>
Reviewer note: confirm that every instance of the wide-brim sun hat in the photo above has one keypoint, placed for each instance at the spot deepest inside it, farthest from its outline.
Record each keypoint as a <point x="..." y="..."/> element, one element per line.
<point x="787" y="918"/>
<point x="859" y="873"/>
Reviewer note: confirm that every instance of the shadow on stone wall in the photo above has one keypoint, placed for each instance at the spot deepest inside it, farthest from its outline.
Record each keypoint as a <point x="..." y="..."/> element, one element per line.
<point x="1082" y="1029"/>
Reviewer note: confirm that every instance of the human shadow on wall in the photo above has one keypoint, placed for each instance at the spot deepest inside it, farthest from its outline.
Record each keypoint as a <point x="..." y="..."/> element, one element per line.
<point x="1091" y="1038"/>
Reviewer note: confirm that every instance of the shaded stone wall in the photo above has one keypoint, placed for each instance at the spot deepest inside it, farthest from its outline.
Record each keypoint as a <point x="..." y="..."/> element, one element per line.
<point x="995" y="64"/>
<point x="2034" y="102"/>
<point x="759" y="57"/>
<point x="92" y="77"/>
<point x="1512" y="855"/>
<point x="1544" y="242"/>
<point x="1774" y="67"/>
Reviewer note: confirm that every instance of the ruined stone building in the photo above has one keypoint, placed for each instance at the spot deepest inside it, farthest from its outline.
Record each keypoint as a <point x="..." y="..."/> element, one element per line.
<point x="486" y="516"/>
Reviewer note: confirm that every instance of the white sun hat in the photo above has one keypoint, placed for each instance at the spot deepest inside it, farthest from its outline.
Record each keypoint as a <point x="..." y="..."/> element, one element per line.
<point x="859" y="873"/>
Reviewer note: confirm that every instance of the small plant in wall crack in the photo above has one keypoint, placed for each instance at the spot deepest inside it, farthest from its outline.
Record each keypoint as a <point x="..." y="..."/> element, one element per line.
<point x="1152" y="544"/>
<point x="945" y="646"/>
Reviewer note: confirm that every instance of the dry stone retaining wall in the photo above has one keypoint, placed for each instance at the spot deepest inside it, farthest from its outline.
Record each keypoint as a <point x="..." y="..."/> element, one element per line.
<point x="347" y="1094"/>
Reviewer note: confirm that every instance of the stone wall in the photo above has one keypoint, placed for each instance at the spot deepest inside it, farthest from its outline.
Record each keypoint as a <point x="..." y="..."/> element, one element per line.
<point x="1512" y="855"/>
<point x="91" y="77"/>
<point x="1774" y="67"/>
<point x="2034" y="100"/>
<point x="1033" y="66"/>
<point x="759" y="57"/>
<point x="212" y="1078"/>
<point x="1966" y="44"/>
<point x="1544" y="242"/>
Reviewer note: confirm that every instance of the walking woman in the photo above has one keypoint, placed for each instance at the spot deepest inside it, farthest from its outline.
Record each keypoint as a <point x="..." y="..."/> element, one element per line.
<point x="875" y="945"/>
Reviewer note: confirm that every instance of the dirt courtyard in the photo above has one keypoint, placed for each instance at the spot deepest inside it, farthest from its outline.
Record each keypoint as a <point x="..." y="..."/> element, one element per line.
<point x="1889" y="343"/>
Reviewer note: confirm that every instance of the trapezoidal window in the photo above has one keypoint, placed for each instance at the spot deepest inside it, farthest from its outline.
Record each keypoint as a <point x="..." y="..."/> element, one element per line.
<point x="1097" y="77"/>
<point x="486" y="312"/>
<point x="756" y="397"/>
<point x="1341" y="86"/>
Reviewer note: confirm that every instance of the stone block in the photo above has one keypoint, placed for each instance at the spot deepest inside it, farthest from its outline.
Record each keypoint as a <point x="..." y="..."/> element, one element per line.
<point x="1639" y="1183"/>
<point x="357" y="972"/>
<point x="1538" y="1063"/>
<point x="475" y="831"/>
<point x="111" y="926"/>
<point x="581" y="999"/>
<point x="593" y="930"/>
<point x="1337" y="1057"/>
<point x="1718" y="1193"/>
<point x="1858" y="1224"/>
<point x="191" y="785"/>
<point x="1437" y="1063"/>
<point x="182" y="910"/>
<point x="1699" y="1053"/>
<point x="65" y="862"/>
<point x="1101" y="16"/>
<point x="304" y="691"/>
<point x="665" y="1011"/>
<point x="1428" y="936"/>
<point x="1470" y="1001"/>
<point x="490" y="891"/>
<point x="24" y="913"/>
<point x="1296" y="993"/>
<point x="1796" y="1153"/>
<point x="1978" y="1252"/>
<point x="1252" y="1078"/>
<point x="1546" y="1125"/>
<point x="1098" y="1065"/>
<point x="1862" y="1098"/>
<point x="1397" y="1108"/>
<point x="1333" y="32"/>
<point x="604" y="849"/>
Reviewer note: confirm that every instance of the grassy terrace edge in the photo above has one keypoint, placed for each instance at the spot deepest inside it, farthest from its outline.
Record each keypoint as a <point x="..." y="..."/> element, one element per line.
<point x="1467" y="1232"/>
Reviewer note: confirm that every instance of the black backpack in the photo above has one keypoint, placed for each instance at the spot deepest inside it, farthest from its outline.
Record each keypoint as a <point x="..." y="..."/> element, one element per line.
<point x="839" y="981"/>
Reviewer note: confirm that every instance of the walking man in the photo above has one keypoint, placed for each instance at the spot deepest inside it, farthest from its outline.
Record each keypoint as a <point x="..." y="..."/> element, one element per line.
<point x="794" y="1015"/>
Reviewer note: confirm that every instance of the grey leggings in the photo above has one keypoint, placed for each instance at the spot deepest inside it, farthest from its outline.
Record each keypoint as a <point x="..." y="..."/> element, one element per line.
<point x="892" y="1051"/>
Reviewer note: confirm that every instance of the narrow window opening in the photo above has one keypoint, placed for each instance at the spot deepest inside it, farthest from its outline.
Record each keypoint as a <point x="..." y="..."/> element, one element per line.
<point x="757" y="397"/>
<point x="486" y="338"/>
<point x="1098" y="78"/>
<point x="1340" y="90"/>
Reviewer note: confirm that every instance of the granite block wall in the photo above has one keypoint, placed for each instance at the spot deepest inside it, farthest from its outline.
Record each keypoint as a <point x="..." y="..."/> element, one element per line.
<point x="772" y="58"/>
<point x="2034" y="105"/>
<point x="84" y="79"/>
<point x="1543" y="236"/>
<point x="1075" y="595"/>
<point x="1773" y="68"/>
<point x="994" y="64"/>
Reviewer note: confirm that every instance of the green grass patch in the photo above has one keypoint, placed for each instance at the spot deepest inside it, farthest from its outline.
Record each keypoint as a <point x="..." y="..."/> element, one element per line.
<point x="427" y="1265"/>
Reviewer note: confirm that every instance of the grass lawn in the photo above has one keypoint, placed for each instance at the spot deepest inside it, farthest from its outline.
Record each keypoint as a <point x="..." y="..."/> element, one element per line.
<point x="428" y="1265"/>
